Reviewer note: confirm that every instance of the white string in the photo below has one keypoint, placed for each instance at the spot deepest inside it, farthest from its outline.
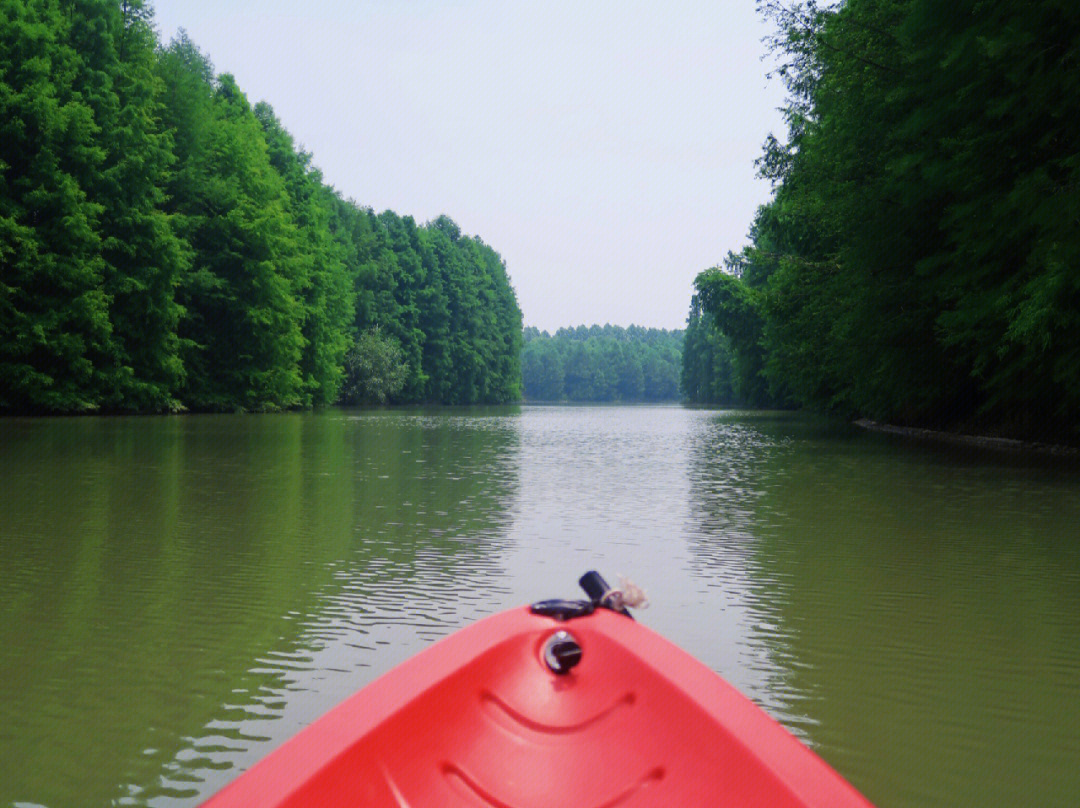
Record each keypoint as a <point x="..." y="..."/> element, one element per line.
<point x="626" y="595"/>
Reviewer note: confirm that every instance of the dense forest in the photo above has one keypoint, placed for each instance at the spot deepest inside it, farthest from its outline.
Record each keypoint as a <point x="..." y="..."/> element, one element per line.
<point x="164" y="245"/>
<point x="918" y="260"/>
<point x="606" y="363"/>
<point x="707" y="374"/>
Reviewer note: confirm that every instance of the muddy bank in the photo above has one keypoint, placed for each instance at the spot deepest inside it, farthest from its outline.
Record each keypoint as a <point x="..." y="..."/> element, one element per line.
<point x="980" y="441"/>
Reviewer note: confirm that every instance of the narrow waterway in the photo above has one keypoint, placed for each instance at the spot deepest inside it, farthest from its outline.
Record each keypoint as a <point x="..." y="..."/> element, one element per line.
<point x="180" y="594"/>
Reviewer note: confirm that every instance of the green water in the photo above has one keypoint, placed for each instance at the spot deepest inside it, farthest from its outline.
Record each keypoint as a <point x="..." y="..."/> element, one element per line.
<point x="178" y="595"/>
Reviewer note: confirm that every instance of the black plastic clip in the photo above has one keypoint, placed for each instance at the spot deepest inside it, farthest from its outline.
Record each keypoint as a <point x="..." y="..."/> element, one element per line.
<point x="563" y="610"/>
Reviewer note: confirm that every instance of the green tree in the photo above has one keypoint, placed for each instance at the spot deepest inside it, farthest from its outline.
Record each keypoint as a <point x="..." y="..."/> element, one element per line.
<point x="144" y="259"/>
<point x="630" y="376"/>
<point x="706" y="375"/>
<point x="325" y="291"/>
<point x="543" y="378"/>
<point x="55" y="327"/>
<point x="375" y="370"/>
<point x="243" y="316"/>
<point x="736" y="309"/>
<point x="90" y="259"/>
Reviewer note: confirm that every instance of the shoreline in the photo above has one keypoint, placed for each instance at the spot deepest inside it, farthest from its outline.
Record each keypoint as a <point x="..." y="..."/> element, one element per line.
<point x="976" y="441"/>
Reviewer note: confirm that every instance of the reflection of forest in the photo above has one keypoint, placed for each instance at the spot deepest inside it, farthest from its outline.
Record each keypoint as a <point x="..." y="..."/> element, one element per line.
<point x="926" y="611"/>
<point x="727" y="471"/>
<point x="733" y="460"/>
<point x="178" y="577"/>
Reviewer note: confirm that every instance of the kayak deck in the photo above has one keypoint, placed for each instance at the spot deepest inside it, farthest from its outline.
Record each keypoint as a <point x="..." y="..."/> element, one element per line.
<point x="479" y="719"/>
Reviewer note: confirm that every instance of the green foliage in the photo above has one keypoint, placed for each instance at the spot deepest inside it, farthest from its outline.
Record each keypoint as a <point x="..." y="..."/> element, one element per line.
<point x="707" y="376"/>
<point x="324" y="289"/>
<point x="473" y="323"/>
<point x="163" y="245"/>
<point x="606" y="363"/>
<point x="54" y="309"/>
<point x="444" y="298"/>
<point x="542" y="369"/>
<point x="242" y="323"/>
<point x="736" y="310"/>
<point x="90" y="259"/>
<point x="914" y="263"/>
<point x="375" y="370"/>
<point x="143" y="255"/>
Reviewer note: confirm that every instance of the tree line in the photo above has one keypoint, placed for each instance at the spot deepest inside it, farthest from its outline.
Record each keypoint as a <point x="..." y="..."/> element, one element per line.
<point x="918" y="260"/>
<point x="602" y="363"/>
<point x="708" y="366"/>
<point x="166" y="245"/>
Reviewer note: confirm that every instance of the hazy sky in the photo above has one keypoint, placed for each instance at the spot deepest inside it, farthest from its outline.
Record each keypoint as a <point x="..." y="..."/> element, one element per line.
<point x="605" y="149"/>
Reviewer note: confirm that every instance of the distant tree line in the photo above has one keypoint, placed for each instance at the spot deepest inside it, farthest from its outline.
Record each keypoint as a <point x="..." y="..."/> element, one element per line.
<point x="165" y="245"/>
<point x="919" y="262"/>
<point x="606" y="363"/>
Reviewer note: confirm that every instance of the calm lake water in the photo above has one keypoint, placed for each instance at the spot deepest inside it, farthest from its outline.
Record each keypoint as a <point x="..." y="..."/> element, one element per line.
<point x="180" y="594"/>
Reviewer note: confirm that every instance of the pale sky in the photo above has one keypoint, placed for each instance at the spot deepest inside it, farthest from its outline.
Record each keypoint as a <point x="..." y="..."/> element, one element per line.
<point x="605" y="149"/>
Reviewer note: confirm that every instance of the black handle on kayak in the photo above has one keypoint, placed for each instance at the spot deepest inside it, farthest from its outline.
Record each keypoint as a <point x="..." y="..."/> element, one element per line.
<point x="597" y="588"/>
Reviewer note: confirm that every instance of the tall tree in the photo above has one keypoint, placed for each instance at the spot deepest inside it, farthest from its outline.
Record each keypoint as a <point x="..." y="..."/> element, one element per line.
<point x="55" y="328"/>
<point x="242" y="324"/>
<point x="706" y="374"/>
<point x="324" y="288"/>
<point x="143" y="256"/>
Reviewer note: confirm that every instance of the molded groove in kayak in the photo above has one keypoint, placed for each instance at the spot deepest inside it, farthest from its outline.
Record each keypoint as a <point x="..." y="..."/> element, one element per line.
<point x="499" y="710"/>
<point x="473" y="789"/>
<point x="655" y="776"/>
<point x="399" y="798"/>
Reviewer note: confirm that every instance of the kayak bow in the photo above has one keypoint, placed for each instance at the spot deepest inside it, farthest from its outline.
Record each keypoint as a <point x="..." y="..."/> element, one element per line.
<point x="565" y="703"/>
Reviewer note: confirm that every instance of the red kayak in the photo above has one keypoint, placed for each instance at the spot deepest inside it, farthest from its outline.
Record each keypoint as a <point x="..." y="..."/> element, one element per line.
<point x="565" y="703"/>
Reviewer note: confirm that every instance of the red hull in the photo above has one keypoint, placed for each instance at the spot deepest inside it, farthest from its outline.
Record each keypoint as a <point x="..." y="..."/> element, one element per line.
<point x="479" y="719"/>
